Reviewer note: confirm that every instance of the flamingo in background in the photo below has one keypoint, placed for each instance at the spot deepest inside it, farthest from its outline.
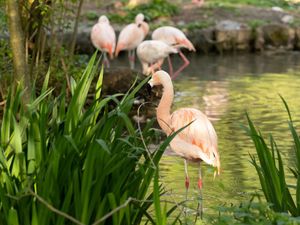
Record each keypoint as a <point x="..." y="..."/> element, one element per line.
<point x="198" y="141"/>
<point x="174" y="37"/>
<point x="104" y="38"/>
<point x="131" y="36"/>
<point x="198" y="3"/>
<point x="152" y="54"/>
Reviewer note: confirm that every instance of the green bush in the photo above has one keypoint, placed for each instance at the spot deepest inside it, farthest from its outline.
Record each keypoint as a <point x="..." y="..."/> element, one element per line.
<point x="63" y="161"/>
<point x="151" y="11"/>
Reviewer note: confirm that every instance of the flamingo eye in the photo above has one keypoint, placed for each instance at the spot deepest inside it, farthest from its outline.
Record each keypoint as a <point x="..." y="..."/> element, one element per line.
<point x="139" y="25"/>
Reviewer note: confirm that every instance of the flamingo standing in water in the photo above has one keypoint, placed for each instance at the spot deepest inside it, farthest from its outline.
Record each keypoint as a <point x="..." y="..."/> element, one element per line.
<point x="174" y="37"/>
<point x="152" y="54"/>
<point x="198" y="141"/>
<point x="104" y="38"/>
<point x="131" y="36"/>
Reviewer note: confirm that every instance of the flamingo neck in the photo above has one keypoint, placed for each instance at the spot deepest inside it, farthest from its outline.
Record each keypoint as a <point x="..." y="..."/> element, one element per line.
<point x="164" y="107"/>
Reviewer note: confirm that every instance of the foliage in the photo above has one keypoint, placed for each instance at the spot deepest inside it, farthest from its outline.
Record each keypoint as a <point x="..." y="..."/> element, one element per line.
<point x="151" y="11"/>
<point x="258" y="3"/>
<point x="270" y="170"/>
<point x="256" y="23"/>
<point x="252" y="212"/>
<point x="63" y="161"/>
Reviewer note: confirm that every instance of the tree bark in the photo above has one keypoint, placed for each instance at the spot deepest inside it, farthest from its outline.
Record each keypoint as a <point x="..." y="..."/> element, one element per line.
<point x="17" y="42"/>
<point x="74" y="36"/>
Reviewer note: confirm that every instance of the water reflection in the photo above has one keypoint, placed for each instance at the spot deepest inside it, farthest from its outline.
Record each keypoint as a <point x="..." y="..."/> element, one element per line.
<point x="225" y="87"/>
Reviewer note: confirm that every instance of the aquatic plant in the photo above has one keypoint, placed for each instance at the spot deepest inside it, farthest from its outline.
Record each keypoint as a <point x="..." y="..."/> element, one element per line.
<point x="270" y="169"/>
<point x="63" y="161"/>
<point x="254" y="211"/>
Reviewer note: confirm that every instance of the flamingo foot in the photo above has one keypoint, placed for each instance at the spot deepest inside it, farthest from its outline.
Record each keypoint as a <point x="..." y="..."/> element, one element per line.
<point x="200" y="184"/>
<point x="187" y="182"/>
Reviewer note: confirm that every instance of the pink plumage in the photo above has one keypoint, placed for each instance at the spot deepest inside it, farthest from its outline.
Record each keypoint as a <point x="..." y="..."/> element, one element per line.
<point x="176" y="38"/>
<point x="103" y="37"/>
<point x="131" y="36"/>
<point x="172" y="36"/>
<point x="152" y="54"/>
<point x="198" y="141"/>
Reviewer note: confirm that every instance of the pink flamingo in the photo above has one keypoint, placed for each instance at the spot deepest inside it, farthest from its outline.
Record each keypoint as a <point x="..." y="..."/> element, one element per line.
<point x="152" y="54"/>
<point x="198" y="141"/>
<point x="198" y="3"/>
<point x="104" y="38"/>
<point x="174" y="37"/>
<point x="131" y="36"/>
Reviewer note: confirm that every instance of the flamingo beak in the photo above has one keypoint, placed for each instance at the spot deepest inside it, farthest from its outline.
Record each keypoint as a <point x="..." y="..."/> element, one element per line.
<point x="151" y="82"/>
<point x="111" y="54"/>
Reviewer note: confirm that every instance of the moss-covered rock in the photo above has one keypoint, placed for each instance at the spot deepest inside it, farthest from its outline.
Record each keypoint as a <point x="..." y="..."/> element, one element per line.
<point x="231" y="35"/>
<point x="275" y="36"/>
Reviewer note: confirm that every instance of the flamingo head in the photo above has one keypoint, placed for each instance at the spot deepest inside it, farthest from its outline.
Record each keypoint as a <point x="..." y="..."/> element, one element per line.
<point x="139" y="18"/>
<point x="158" y="78"/>
<point x="110" y="52"/>
<point x="103" y="19"/>
<point x="145" y="27"/>
<point x="119" y="48"/>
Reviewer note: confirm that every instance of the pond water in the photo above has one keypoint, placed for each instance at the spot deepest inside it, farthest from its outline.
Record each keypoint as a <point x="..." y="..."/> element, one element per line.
<point x="225" y="88"/>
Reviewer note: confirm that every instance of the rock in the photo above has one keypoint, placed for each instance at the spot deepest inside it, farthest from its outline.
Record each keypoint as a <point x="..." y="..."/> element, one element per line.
<point x="203" y="39"/>
<point x="277" y="9"/>
<point x="275" y="36"/>
<point x="231" y="35"/>
<point x="287" y="19"/>
<point x="297" y="41"/>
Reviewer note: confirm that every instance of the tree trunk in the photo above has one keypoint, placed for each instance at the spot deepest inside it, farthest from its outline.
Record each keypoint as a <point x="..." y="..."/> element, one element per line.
<point x="74" y="36"/>
<point x="17" y="43"/>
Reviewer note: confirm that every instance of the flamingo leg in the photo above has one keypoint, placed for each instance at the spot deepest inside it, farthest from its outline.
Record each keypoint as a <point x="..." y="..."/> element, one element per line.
<point x="185" y="64"/>
<point x="187" y="179"/>
<point x="187" y="183"/>
<point x="105" y="60"/>
<point x="131" y="57"/>
<point x="170" y="66"/>
<point x="200" y="199"/>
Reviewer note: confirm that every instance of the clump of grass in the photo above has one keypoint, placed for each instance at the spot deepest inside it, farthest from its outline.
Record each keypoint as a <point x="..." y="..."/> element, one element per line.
<point x="254" y="23"/>
<point x="270" y="169"/>
<point x="64" y="162"/>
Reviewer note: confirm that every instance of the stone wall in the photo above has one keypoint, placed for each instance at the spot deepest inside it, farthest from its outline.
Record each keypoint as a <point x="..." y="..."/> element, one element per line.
<point x="226" y="36"/>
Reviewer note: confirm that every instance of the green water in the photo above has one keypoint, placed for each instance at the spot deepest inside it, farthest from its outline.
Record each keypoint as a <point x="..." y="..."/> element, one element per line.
<point x="224" y="88"/>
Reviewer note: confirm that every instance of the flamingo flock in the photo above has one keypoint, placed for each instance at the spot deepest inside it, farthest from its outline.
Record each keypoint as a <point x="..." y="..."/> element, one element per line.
<point x="198" y="141"/>
<point x="166" y="40"/>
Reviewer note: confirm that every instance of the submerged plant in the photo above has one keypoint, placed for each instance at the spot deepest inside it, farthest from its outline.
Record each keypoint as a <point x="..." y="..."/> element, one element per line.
<point x="253" y="212"/>
<point x="270" y="169"/>
<point x="65" y="162"/>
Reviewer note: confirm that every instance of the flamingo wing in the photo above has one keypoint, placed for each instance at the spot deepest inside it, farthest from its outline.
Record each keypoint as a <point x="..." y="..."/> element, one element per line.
<point x="103" y="37"/>
<point x="198" y="141"/>
<point x="152" y="51"/>
<point x="172" y="36"/>
<point x="130" y="37"/>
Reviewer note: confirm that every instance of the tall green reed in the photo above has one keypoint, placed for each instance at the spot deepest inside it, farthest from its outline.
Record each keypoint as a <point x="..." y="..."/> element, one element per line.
<point x="62" y="161"/>
<point x="271" y="170"/>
